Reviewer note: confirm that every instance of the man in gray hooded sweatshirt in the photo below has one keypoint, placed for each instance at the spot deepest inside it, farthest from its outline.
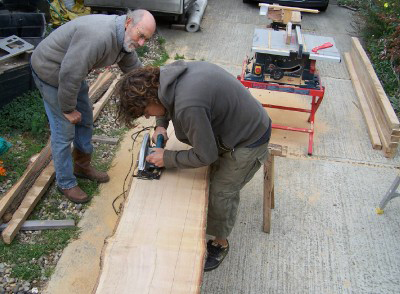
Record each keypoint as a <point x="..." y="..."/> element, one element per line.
<point x="60" y="64"/>
<point x="215" y="114"/>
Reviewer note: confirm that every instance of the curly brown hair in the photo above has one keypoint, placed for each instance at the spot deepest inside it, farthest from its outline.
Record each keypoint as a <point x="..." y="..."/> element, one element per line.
<point x="136" y="90"/>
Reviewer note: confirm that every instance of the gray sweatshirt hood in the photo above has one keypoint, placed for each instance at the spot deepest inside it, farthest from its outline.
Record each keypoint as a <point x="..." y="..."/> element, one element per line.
<point x="169" y="75"/>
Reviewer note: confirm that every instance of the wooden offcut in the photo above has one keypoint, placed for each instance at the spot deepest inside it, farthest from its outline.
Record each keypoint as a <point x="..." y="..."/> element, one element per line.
<point x="26" y="180"/>
<point x="286" y="14"/>
<point x="375" y="105"/>
<point x="98" y="106"/>
<point x="100" y="86"/>
<point x="159" y="243"/>
<point x="31" y="199"/>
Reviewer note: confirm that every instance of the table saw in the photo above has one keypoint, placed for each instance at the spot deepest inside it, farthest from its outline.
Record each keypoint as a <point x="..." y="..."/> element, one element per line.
<point x="293" y="63"/>
<point x="285" y="60"/>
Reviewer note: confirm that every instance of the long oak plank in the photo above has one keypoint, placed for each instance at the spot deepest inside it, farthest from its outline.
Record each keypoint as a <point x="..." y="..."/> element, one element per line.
<point x="159" y="243"/>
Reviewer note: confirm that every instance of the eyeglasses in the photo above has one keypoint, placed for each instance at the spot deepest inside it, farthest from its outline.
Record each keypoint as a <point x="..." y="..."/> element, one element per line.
<point x="141" y="35"/>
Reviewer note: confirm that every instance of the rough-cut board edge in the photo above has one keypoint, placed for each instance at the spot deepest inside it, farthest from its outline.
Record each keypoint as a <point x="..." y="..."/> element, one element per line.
<point x="28" y="203"/>
<point x="378" y="89"/>
<point x="38" y="225"/>
<point x="108" y="242"/>
<point x="28" y="175"/>
<point x="372" y="131"/>
<point x="104" y="99"/>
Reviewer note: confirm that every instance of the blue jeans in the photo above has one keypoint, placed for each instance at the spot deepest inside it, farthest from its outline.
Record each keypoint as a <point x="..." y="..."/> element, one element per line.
<point x="63" y="133"/>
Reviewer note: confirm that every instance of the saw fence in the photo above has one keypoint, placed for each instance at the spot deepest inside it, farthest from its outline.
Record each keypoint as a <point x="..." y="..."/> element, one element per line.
<point x="382" y="122"/>
<point x="20" y="200"/>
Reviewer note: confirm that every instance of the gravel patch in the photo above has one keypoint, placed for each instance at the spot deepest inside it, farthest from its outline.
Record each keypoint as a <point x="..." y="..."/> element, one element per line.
<point x="15" y="285"/>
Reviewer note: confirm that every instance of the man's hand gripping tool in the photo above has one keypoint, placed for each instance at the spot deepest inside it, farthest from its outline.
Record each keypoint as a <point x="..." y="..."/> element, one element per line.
<point x="146" y="170"/>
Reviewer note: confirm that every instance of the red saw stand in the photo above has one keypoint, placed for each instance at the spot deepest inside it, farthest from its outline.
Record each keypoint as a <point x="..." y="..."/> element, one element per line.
<point x="317" y="95"/>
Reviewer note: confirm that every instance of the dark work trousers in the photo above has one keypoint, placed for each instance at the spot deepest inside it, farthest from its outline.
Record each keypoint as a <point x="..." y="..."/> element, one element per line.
<point x="228" y="175"/>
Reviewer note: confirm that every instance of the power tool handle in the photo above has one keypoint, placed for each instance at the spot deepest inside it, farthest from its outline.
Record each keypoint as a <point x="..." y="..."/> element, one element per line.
<point x="160" y="141"/>
<point x="323" y="46"/>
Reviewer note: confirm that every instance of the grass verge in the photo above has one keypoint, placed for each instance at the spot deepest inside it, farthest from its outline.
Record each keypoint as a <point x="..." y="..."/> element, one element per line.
<point x="27" y="259"/>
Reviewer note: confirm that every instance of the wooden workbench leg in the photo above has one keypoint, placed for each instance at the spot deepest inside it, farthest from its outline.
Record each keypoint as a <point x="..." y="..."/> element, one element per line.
<point x="272" y="182"/>
<point x="268" y="192"/>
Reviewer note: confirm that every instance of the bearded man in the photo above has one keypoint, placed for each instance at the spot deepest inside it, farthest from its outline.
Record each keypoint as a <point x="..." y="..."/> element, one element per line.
<point x="60" y="64"/>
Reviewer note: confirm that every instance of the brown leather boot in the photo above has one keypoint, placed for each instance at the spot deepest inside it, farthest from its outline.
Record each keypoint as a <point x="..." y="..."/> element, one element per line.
<point x="75" y="194"/>
<point x="83" y="169"/>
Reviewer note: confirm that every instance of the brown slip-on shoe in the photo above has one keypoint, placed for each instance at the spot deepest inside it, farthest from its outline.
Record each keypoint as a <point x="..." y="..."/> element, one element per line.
<point x="75" y="194"/>
<point x="83" y="168"/>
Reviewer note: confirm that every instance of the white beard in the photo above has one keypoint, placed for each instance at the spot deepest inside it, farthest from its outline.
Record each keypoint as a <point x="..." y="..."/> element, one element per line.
<point x="129" y="44"/>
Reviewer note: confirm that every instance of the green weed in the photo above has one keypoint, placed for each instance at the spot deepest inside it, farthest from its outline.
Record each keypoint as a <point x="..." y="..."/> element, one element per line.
<point x="161" y="40"/>
<point x="25" y="114"/>
<point x="141" y="51"/>
<point x="178" y="57"/>
<point x="164" y="57"/>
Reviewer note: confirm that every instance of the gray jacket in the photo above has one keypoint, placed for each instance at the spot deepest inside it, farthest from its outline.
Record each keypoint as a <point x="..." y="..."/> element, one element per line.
<point x="67" y="55"/>
<point x="210" y="110"/>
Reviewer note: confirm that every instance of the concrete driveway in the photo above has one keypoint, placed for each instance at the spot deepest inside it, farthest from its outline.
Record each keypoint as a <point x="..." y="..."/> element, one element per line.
<point x="325" y="235"/>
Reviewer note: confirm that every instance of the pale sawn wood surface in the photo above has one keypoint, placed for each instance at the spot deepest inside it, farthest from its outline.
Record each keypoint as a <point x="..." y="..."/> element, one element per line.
<point x="159" y="243"/>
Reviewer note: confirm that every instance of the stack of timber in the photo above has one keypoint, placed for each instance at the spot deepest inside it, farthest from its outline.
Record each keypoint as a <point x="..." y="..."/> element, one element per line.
<point x="159" y="243"/>
<point x="382" y="122"/>
<point x="36" y="179"/>
<point x="101" y="85"/>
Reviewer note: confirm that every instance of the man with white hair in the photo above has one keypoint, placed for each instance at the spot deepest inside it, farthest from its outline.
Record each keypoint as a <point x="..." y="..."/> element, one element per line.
<point x="60" y="64"/>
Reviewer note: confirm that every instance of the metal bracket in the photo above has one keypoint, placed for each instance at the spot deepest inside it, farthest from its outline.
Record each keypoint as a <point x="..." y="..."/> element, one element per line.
<point x="12" y="46"/>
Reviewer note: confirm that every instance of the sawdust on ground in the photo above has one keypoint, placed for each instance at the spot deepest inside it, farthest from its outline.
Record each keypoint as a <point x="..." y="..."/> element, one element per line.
<point x="295" y="141"/>
<point x="79" y="267"/>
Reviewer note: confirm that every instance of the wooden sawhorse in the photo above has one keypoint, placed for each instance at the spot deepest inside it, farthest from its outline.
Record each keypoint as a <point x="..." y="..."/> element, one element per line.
<point x="269" y="201"/>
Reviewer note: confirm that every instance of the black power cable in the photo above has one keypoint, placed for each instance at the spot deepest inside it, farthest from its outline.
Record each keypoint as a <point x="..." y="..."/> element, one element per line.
<point x="134" y="138"/>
